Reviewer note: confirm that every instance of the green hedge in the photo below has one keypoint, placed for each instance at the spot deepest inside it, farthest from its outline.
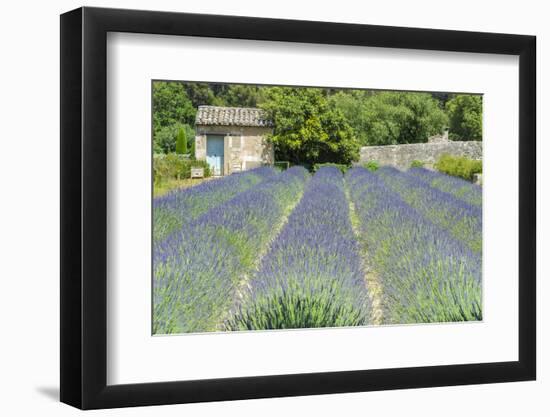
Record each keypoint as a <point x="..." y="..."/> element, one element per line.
<point x="371" y="165"/>
<point x="341" y="167"/>
<point x="459" y="166"/>
<point x="417" y="164"/>
<point x="173" y="166"/>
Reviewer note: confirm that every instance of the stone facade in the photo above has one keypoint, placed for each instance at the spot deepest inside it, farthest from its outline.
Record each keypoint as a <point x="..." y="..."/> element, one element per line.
<point x="244" y="131"/>
<point x="401" y="156"/>
<point x="245" y="147"/>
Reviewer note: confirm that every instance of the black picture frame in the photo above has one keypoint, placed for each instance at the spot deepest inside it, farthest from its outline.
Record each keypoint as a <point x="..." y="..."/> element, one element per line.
<point x="84" y="207"/>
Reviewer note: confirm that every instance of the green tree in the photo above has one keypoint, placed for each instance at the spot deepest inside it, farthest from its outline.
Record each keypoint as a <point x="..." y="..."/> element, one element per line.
<point x="181" y="142"/>
<point x="442" y="98"/>
<point x="465" y="117"/>
<point x="387" y="118"/>
<point x="172" y="110"/>
<point x="202" y="94"/>
<point x="241" y="95"/>
<point x="171" y="105"/>
<point x="308" y="129"/>
<point x="166" y="138"/>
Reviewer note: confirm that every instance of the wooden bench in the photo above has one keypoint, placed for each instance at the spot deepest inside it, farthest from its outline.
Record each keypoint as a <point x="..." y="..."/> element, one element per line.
<point x="197" y="172"/>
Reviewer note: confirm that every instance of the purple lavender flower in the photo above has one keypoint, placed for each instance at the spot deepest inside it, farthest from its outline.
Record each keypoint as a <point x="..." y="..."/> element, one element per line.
<point x="462" y="189"/>
<point x="312" y="276"/>
<point x="173" y="210"/>
<point x="199" y="268"/>
<point x="463" y="220"/>
<point x="427" y="275"/>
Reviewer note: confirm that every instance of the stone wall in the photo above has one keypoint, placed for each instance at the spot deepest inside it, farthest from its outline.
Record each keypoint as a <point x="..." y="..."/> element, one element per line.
<point x="244" y="147"/>
<point x="401" y="156"/>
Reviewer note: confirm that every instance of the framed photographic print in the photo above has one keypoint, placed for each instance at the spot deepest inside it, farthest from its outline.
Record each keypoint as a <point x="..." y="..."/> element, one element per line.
<point x="256" y="208"/>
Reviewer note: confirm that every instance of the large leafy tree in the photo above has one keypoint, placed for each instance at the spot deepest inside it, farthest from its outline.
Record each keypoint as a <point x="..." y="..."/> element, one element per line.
<point x="465" y="117"/>
<point x="387" y="118"/>
<point x="172" y="111"/>
<point x="241" y="95"/>
<point x="171" y="105"/>
<point x="308" y="129"/>
<point x="203" y="94"/>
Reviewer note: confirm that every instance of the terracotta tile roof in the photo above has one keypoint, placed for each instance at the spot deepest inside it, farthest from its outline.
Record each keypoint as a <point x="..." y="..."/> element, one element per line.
<point x="232" y="116"/>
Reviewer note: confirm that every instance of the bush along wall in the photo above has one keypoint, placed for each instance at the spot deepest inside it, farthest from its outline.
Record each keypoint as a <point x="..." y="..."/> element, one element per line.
<point x="174" y="166"/>
<point x="459" y="166"/>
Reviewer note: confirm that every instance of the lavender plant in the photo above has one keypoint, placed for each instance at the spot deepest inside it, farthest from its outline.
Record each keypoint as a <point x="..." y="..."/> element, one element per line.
<point x="462" y="189"/>
<point x="172" y="211"/>
<point x="461" y="219"/>
<point x="426" y="274"/>
<point x="311" y="277"/>
<point x="199" y="269"/>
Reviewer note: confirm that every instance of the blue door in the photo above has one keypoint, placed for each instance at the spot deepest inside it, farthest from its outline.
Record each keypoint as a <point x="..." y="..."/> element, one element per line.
<point x="214" y="153"/>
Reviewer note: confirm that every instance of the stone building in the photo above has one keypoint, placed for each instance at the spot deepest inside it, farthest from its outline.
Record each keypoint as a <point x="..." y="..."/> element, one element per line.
<point x="233" y="139"/>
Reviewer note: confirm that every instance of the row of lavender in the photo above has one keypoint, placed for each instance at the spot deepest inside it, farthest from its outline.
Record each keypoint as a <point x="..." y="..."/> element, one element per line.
<point x="199" y="268"/>
<point x="172" y="211"/>
<point x="427" y="270"/>
<point x="312" y="275"/>
<point x="461" y="219"/>
<point x="462" y="189"/>
<point x="423" y="243"/>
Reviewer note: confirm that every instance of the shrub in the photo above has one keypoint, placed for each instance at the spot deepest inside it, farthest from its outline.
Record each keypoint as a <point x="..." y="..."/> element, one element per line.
<point x="459" y="166"/>
<point x="181" y="142"/>
<point x="174" y="166"/>
<point x="342" y="167"/>
<point x="417" y="164"/>
<point x="165" y="139"/>
<point x="372" y="165"/>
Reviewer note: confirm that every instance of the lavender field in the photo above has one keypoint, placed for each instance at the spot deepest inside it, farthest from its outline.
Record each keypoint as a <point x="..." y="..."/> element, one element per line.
<point x="263" y="249"/>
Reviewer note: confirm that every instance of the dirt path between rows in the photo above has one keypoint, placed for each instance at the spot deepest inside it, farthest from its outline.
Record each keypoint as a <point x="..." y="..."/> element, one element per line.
<point x="372" y="280"/>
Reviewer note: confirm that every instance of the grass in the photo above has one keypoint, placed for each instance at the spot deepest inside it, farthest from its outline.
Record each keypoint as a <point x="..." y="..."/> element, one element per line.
<point x="164" y="187"/>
